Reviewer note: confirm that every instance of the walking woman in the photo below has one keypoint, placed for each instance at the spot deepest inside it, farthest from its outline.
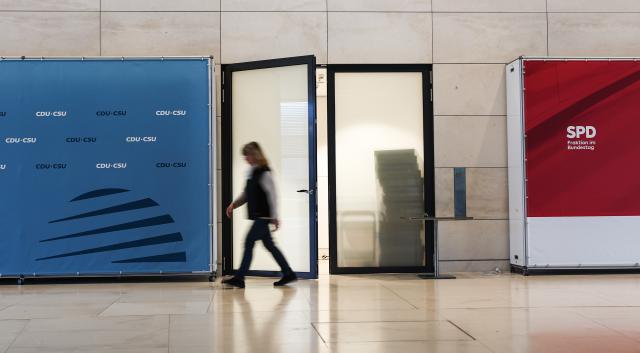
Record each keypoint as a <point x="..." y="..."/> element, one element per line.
<point x="260" y="196"/>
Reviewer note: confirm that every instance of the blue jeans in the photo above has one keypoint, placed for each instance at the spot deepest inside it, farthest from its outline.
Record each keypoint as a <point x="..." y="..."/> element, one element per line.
<point x="260" y="231"/>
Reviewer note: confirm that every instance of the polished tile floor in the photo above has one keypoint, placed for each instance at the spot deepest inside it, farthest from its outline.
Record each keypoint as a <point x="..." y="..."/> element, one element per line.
<point x="344" y="314"/>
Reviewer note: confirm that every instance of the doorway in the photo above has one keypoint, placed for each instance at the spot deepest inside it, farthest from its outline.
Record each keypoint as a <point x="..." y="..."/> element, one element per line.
<point x="272" y="102"/>
<point x="368" y="163"/>
<point x="380" y="168"/>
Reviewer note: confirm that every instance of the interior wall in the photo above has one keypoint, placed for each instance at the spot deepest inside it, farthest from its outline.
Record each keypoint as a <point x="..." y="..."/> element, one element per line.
<point x="323" y="171"/>
<point x="467" y="41"/>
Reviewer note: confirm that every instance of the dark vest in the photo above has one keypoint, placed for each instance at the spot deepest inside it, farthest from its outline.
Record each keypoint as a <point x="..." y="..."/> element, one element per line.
<point x="257" y="202"/>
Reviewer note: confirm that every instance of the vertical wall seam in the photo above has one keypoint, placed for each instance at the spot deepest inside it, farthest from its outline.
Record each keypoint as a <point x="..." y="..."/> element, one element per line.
<point x="326" y="3"/>
<point x="433" y="38"/>
<point x="547" y="8"/>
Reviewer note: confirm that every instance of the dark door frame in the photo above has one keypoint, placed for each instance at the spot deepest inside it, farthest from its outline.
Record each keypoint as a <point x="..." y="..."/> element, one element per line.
<point x="227" y="160"/>
<point x="429" y="164"/>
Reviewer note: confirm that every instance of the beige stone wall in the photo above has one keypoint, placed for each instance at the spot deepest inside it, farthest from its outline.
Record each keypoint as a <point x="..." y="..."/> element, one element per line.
<point x="468" y="41"/>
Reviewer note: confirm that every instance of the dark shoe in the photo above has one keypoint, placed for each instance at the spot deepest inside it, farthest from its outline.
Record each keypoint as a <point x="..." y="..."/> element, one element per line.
<point x="288" y="278"/>
<point x="234" y="281"/>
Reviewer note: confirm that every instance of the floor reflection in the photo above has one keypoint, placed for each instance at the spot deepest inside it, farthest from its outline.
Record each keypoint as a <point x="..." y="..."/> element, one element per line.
<point x="381" y="313"/>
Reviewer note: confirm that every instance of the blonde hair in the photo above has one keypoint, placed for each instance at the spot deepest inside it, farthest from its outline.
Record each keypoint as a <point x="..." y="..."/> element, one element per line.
<point x="253" y="148"/>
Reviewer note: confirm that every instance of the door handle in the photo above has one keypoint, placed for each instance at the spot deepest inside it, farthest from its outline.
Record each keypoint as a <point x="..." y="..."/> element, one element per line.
<point x="303" y="190"/>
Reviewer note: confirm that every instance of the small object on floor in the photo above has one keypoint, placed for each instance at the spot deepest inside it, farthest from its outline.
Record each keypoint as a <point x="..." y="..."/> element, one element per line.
<point x="288" y="278"/>
<point x="233" y="281"/>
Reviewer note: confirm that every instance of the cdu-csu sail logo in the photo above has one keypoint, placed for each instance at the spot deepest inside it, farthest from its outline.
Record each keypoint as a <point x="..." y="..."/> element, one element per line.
<point x="581" y="138"/>
<point x="128" y="228"/>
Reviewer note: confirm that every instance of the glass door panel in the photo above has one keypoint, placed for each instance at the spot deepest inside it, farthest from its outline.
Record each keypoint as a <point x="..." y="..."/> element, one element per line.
<point x="270" y="104"/>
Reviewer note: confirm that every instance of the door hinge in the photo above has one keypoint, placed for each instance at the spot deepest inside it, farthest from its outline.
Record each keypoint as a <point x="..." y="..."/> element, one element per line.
<point x="431" y="94"/>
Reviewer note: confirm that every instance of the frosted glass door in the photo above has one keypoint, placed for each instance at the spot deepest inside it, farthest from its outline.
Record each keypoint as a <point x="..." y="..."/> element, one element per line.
<point x="272" y="106"/>
<point x="379" y="170"/>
